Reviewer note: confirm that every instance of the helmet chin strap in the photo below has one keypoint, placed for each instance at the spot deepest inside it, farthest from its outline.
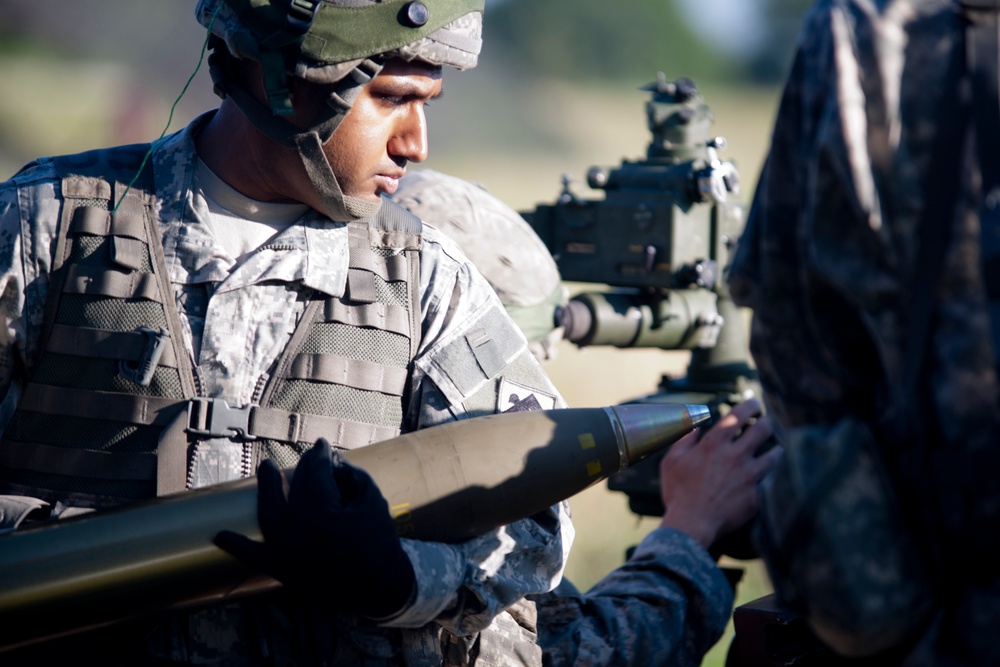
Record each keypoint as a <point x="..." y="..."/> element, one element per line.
<point x="337" y="205"/>
<point x="308" y="143"/>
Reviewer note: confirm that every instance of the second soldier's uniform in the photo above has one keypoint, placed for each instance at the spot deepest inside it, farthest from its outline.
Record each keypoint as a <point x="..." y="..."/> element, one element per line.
<point x="667" y="605"/>
<point x="828" y="263"/>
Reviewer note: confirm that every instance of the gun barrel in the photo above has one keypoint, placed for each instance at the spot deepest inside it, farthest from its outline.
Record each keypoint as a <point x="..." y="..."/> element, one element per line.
<point x="675" y="320"/>
<point x="447" y="483"/>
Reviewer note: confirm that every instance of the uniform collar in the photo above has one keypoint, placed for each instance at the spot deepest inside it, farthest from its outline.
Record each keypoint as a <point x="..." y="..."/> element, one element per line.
<point x="313" y="251"/>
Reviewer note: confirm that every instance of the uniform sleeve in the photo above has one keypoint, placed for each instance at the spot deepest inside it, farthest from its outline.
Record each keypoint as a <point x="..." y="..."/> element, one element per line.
<point x="474" y="361"/>
<point x="29" y="215"/>
<point x="11" y="283"/>
<point x="668" y="604"/>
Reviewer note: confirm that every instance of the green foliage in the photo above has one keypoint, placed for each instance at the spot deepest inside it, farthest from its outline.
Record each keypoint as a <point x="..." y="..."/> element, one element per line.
<point x="599" y="39"/>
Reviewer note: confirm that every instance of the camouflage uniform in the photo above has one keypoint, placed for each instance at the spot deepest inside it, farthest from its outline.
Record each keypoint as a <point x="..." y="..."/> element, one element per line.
<point x="245" y="313"/>
<point x="669" y="603"/>
<point x="826" y="258"/>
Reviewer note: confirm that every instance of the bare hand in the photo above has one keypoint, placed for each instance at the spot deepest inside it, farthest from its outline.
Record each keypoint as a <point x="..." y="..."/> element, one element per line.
<point x="708" y="484"/>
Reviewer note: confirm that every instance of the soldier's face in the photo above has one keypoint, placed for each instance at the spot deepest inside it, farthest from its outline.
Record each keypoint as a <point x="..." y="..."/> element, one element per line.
<point x="384" y="130"/>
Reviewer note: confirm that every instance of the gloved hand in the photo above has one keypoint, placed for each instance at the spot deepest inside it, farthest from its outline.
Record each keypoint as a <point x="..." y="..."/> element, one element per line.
<point x="332" y="539"/>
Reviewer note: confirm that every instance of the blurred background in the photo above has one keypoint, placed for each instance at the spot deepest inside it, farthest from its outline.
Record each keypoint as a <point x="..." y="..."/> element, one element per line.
<point x="557" y="91"/>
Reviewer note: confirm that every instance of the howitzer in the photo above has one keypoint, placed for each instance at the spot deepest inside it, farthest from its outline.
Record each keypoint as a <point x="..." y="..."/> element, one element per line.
<point x="659" y="239"/>
<point x="446" y="483"/>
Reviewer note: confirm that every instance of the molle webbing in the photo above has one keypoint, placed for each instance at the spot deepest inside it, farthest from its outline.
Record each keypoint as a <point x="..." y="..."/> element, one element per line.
<point x="349" y="361"/>
<point x="109" y="376"/>
<point x="110" y="404"/>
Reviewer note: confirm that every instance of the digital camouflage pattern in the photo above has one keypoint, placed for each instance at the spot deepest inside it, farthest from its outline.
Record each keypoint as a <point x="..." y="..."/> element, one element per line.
<point x="504" y="248"/>
<point x="825" y="262"/>
<point x="667" y="605"/>
<point x="247" y="311"/>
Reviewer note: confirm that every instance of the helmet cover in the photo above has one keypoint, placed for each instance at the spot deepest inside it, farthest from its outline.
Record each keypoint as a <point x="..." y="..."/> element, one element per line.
<point x="343" y="33"/>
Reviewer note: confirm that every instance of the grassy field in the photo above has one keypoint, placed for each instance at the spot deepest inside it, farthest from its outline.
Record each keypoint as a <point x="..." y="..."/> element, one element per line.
<point x="516" y="138"/>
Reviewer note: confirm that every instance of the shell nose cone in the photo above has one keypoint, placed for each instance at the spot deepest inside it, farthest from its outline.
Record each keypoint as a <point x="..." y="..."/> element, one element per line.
<point x="646" y="428"/>
<point x="699" y="414"/>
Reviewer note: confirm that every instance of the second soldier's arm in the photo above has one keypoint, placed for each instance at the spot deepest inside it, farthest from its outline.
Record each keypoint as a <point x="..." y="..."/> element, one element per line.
<point x="669" y="603"/>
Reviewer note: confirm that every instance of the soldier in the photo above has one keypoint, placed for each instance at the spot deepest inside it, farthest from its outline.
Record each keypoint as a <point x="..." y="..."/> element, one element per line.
<point x="869" y="262"/>
<point x="669" y="604"/>
<point x="175" y="315"/>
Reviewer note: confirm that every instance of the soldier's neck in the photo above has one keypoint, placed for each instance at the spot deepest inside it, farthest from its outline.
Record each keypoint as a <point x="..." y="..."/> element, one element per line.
<point x="251" y="163"/>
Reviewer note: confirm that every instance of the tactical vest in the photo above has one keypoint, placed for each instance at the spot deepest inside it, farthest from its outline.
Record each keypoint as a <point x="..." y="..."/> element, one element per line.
<point x="112" y="404"/>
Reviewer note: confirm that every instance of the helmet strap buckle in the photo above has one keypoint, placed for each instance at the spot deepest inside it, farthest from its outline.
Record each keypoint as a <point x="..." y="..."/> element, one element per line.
<point x="301" y="14"/>
<point x="279" y="96"/>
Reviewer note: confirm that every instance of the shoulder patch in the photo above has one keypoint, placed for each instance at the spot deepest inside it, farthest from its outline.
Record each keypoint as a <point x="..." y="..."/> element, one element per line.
<point x="514" y="397"/>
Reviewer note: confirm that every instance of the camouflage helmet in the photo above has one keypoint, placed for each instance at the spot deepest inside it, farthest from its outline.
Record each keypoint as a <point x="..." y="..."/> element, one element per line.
<point x="322" y="40"/>
<point x="337" y="43"/>
<point x="499" y="243"/>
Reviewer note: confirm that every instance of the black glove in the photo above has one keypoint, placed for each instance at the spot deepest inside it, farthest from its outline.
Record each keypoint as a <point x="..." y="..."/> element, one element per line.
<point x="332" y="539"/>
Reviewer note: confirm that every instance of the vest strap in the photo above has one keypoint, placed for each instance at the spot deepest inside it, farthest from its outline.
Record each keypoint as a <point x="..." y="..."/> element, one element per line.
<point x="360" y="278"/>
<point x="128" y="253"/>
<point x="384" y="316"/>
<point x="357" y="373"/>
<point x="52" y="460"/>
<point x="395" y="268"/>
<point x="172" y="456"/>
<point x="360" y="286"/>
<point x="115" y="284"/>
<point x="982" y="54"/>
<point x="122" y="345"/>
<point x="288" y="426"/>
<point x="213" y="417"/>
<point x="82" y="188"/>
<point x="414" y="306"/>
<point x="95" y="221"/>
<point x="142" y="410"/>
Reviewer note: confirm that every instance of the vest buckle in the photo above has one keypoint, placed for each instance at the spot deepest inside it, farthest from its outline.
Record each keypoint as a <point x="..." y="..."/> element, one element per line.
<point x="214" y="418"/>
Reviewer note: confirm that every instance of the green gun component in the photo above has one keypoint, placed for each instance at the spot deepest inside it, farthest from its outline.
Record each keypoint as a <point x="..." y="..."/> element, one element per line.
<point x="680" y="320"/>
<point x="664" y="221"/>
<point x="447" y="483"/>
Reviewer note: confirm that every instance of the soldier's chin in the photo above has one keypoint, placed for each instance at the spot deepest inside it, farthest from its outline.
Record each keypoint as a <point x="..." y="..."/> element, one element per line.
<point x="386" y="185"/>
